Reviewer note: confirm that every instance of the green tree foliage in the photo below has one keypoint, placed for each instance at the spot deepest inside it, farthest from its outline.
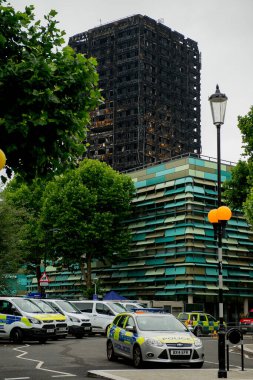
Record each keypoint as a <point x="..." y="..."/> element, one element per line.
<point x="238" y="191"/>
<point x="12" y="224"/>
<point x="46" y="93"/>
<point x="86" y="208"/>
<point x="245" y="124"/>
<point x="27" y="198"/>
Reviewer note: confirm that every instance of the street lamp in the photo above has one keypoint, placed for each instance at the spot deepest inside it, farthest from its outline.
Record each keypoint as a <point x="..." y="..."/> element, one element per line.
<point x="2" y="159"/>
<point x="218" y="218"/>
<point x="95" y="281"/>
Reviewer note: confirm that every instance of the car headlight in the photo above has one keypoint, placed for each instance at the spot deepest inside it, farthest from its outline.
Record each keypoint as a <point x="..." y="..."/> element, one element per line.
<point x="197" y="342"/>
<point x="154" y="342"/>
<point x="35" y="321"/>
<point x="74" y="319"/>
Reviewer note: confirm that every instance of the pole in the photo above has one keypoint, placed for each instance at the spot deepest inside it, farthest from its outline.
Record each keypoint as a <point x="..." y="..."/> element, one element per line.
<point x="222" y="373"/>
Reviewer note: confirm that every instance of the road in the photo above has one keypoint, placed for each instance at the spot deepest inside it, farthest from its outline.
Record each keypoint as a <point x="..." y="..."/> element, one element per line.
<point x="73" y="358"/>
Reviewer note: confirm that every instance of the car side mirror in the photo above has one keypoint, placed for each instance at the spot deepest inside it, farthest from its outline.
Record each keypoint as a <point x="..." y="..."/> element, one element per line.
<point x="131" y="329"/>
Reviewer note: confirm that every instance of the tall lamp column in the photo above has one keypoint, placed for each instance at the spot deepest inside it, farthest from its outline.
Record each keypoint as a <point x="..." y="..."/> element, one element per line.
<point x="218" y="104"/>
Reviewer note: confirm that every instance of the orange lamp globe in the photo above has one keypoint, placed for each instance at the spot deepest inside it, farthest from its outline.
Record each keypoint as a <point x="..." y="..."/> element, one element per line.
<point x="2" y="159"/>
<point x="224" y="213"/>
<point x="213" y="216"/>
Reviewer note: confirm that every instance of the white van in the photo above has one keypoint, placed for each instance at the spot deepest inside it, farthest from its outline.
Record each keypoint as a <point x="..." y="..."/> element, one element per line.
<point x="101" y="313"/>
<point x="60" y="321"/>
<point x="79" y="324"/>
<point x="20" y="320"/>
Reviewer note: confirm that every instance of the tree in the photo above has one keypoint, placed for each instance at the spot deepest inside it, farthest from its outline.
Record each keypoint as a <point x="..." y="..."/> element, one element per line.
<point x="87" y="208"/>
<point x="45" y="94"/>
<point x="234" y="192"/>
<point x="238" y="190"/>
<point x="11" y="226"/>
<point x="22" y="196"/>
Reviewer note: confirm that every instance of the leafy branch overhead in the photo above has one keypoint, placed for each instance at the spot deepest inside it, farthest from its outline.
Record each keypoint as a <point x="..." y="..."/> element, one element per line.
<point x="46" y="94"/>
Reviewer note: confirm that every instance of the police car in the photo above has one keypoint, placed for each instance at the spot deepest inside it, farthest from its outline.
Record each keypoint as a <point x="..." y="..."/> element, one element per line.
<point x="199" y="323"/>
<point x="20" y="320"/>
<point x="148" y="336"/>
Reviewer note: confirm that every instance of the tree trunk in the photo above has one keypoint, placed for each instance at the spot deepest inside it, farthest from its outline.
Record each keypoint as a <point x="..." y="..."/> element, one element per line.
<point x="41" y="289"/>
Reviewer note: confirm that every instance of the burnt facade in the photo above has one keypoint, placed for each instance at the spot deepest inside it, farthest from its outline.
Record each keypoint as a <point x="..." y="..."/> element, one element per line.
<point x="150" y="81"/>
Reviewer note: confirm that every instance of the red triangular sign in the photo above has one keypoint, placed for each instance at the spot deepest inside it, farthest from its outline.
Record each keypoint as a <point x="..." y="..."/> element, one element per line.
<point x="44" y="277"/>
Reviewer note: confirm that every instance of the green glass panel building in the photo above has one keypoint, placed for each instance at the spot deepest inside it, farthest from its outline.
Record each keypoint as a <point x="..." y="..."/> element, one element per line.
<point x="173" y="254"/>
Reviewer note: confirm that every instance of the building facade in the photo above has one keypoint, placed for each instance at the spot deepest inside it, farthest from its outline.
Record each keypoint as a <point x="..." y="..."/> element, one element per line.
<point x="173" y="254"/>
<point x="150" y="81"/>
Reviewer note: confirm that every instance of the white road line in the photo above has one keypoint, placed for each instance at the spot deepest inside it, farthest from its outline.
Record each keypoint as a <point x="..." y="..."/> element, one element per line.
<point x="40" y="363"/>
<point x="16" y="378"/>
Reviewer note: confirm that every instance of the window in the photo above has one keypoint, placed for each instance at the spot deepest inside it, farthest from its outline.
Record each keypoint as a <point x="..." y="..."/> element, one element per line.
<point x="103" y="309"/>
<point x="84" y="307"/>
<point x="6" y="307"/>
<point x="130" y="322"/>
<point x="122" y="321"/>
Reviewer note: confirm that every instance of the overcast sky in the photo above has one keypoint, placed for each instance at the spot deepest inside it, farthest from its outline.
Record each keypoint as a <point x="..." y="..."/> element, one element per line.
<point x="223" y="30"/>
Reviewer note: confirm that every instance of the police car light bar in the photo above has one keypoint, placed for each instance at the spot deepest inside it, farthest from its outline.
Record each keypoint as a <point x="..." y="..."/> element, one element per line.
<point x="148" y="310"/>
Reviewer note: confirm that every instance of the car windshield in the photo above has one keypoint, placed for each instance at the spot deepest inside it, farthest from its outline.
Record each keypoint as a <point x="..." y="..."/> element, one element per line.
<point x="68" y="307"/>
<point x="28" y="306"/>
<point x="183" y="317"/>
<point x="117" y="307"/>
<point x="44" y="306"/>
<point x="159" y="323"/>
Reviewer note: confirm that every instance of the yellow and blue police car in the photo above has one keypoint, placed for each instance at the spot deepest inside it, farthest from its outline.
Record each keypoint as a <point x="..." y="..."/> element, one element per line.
<point x="21" y="320"/>
<point x="199" y="323"/>
<point x="146" y="335"/>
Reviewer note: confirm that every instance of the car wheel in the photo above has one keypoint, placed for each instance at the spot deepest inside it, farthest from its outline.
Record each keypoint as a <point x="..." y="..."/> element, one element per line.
<point x="198" y="331"/>
<point x="110" y="351"/>
<point x="79" y="336"/>
<point x="197" y="365"/>
<point x="137" y="357"/>
<point x="42" y="340"/>
<point x="16" y="335"/>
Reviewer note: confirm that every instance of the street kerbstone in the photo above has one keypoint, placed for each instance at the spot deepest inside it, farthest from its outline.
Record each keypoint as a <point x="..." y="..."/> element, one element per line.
<point x="171" y="374"/>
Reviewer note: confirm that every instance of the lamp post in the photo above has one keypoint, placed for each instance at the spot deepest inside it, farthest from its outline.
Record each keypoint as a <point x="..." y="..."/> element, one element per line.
<point x="218" y="104"/>
<point x="95" y="281"/>
<point x="2" y="159"/>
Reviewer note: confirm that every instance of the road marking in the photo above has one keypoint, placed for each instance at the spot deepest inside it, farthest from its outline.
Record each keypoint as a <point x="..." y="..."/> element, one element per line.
<point x="40" y="363"/>
<point x="16" y="378"/>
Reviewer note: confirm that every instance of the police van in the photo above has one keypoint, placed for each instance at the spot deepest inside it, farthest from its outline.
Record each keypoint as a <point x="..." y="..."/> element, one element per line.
<point x="20" y="320"/>
<point x="79" y="324"/>
<point x="60" y="321"/>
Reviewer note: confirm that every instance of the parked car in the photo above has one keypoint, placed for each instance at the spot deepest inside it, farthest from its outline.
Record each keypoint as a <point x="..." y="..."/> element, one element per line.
<point x="246" y="323"/>
<point x="199" y="323"/>
<point x="60" y="321"/>
<point x="147" y="336"/>
<point x="21" y="319"/>
<point x="101" y="313"/>
<point x="79" y="323"/>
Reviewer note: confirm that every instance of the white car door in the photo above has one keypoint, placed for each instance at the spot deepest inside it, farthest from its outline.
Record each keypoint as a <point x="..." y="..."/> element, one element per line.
<point x="102" y="316"/>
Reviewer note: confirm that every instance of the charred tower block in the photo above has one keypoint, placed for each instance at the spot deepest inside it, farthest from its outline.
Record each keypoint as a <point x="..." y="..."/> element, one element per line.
<point x="150" y="81"/>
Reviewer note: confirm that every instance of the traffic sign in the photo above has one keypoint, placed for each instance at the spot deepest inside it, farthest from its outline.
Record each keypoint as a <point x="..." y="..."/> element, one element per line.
<point x="44" y="280"/>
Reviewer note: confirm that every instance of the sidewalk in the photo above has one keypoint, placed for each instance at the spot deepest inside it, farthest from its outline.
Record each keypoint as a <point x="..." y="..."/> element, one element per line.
<point x="174" y="374"/>
<point x="169" y="374"/>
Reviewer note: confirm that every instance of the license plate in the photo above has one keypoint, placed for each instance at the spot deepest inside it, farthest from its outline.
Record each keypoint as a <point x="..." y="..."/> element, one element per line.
<point x="50" y="330"/>
<point x="180" y="352"/>
<point x="62" y="329"/>
<point x="87" y="328"/>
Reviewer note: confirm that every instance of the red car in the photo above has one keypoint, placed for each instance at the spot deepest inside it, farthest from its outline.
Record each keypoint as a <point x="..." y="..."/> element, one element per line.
<point x="246" y="323"/>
